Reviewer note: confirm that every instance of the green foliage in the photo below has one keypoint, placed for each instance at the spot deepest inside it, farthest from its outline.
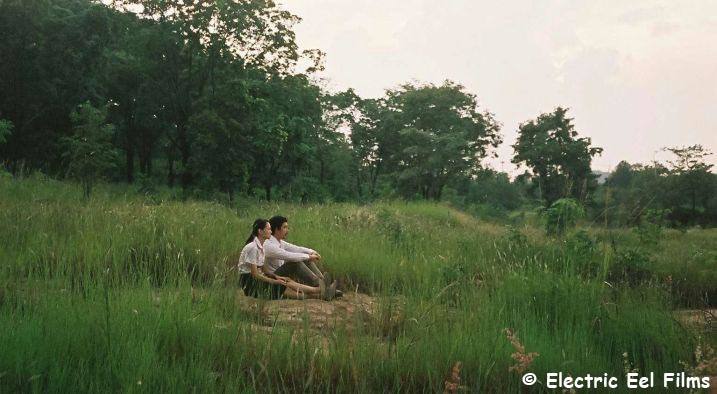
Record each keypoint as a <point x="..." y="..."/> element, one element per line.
<point x="691" y="280"/>
<point x="516" y="237"/>
<point x="89" y="151"/>
<point x="146" y="185"/>
<point x="581" y="243"/>
<point x="117" y="284"/>
<point x="220" y="159"/>
<point x="650" y="228"/>
<point x="582" y="248"/>
<point x="488" y="195"/>
<point x="5" y="130"/>
<point x="683" y="190"/>
<point x="562" y="215"/>
<point x="440" y="136"/>
<point x="212" y="98"/>
<point x="487" y="211"/>
<point x="692" y="181"/>
<point x="632" y="267"/>
<point x="560" y="160"/>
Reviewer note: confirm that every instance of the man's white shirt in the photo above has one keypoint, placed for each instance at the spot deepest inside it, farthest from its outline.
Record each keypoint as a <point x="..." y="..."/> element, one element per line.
<point x="277" y="252"/>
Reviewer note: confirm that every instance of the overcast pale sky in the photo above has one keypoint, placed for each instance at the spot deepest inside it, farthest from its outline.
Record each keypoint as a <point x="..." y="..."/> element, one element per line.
<point x="638" y="75"/>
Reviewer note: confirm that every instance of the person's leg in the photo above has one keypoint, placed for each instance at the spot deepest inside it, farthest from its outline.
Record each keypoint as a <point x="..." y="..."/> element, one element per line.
<point x="321" y="292"/>
<point x="304" y="288"/>
<point x="299" y="272"/>
<point x="314" y="269"/>
<point x="295" y="294"/>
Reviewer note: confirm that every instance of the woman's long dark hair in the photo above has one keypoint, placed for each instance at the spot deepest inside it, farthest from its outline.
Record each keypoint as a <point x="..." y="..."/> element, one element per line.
<point x="259" y="224"/>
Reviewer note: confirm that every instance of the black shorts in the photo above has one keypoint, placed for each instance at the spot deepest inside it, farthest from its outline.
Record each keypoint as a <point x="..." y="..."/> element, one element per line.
<point x="259" y="289"/>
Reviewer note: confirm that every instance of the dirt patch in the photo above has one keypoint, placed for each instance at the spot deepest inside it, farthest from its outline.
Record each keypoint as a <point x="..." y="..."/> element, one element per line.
<point x="349" y="312"/>
<point x="699" y="319"/>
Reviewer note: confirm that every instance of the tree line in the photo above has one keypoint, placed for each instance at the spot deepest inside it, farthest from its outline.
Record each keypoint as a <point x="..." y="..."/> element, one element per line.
<point x="216" y="97"/>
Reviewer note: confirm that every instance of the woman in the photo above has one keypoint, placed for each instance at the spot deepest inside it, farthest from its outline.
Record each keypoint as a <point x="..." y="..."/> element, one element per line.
<point x="256" y="283"/>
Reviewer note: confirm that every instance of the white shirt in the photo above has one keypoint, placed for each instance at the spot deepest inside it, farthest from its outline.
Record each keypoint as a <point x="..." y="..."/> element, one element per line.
<point x="277" y="252"/>
<point x="251" y="254"/>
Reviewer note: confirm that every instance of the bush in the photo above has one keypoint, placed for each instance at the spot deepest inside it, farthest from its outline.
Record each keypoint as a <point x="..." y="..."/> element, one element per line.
<point x="515" y="237"/>
<point x="649" y="231"/>
<point x="632" y="267"/>
<point x="4" y="174"/>
<point x="582" y="248"/>
<point x="6" y="128"/>
<point x="487" y="212"/>
<point x="562" y="215"/>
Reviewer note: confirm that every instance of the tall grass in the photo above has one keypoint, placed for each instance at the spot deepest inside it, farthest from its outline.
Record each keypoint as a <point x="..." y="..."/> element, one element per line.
<point x="97" y="296"/>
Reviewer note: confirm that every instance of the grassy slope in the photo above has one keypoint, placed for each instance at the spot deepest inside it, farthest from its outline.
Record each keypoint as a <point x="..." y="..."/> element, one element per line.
<point x="97" y="295"/>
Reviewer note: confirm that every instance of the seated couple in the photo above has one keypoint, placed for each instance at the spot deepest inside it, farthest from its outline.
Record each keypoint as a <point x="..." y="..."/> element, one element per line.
<point x="273" y="268"/>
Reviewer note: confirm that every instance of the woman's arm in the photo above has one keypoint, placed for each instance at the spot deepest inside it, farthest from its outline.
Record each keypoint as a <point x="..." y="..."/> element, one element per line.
<point x="265" y="271"/>
<point x="259" y="274"/>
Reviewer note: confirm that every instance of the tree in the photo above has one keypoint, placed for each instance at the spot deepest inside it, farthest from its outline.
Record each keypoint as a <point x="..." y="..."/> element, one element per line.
<point x="550" y="147"/>
<point x="432" y="134"/>
<point x="219" y="157"/>
<point x="495" y="189"/>
<point x="89" y="152"/>
<point x="210" y="34"/>
<point x="52" y="52"/>
<point x="286" y="120"/>
<point x="346" y="112"/>
<point x="692" y="176"/>
<point x="622" y="176"/>
<point x="133" y="80"/>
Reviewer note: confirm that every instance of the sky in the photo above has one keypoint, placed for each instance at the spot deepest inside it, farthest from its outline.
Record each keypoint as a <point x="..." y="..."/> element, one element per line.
<point x="637" y="75"/>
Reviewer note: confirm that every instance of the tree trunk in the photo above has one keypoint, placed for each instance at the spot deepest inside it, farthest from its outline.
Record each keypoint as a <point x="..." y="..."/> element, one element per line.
<point x="129" y="159"/>
<point x="322" y="170"/>
<point x="358" y="182"/>
<point x="374" y="177"/>
<point x="439" y="191"/>
<point x="185" y="154"/>
<point x="170" y="175"/>
<point x="87" y="188"/>
<point x="145" y="159"/>
<point x="267" y="188"/>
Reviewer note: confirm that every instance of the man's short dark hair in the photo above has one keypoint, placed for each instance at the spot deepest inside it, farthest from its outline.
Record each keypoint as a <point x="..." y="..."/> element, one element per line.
<point x="276" y="222"/>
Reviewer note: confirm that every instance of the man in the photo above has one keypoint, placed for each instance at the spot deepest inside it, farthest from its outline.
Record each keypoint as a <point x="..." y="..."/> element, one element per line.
<point x="285" y="259"/>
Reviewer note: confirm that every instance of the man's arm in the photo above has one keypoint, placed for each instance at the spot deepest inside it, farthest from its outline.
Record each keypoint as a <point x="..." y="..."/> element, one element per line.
<point x="297" y="249"/>
<point x="273" y="251"/>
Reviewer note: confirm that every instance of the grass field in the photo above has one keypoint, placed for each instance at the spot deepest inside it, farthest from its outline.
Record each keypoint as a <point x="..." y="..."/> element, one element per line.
<point x="98" y="296"/>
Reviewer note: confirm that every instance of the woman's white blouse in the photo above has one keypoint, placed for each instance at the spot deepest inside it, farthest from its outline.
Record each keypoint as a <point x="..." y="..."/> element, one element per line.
<point x="252" y="253"/>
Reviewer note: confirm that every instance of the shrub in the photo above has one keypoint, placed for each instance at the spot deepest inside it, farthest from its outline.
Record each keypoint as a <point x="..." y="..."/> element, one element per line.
<point x="89" y="151"/>
<point x="5" y="130"/>
<point x="487" y="211"/>
<point x="581" y="247"/>
<point x="632" y="267"/>
<point x="515" y="237"/>
<point x="649" y="231"/>
<point x="562" y="215"/>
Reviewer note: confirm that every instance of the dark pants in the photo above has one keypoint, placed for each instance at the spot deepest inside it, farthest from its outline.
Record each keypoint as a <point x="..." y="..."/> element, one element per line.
<point x="300" y="272"/>
<point x="259" y="289"/>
